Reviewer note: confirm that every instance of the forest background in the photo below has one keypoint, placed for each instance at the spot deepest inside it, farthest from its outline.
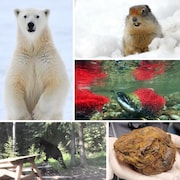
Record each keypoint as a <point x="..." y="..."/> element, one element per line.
<point x="83" y="145"/>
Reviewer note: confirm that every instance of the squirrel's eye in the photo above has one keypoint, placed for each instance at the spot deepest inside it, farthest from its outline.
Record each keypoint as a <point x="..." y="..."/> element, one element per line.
<point x="144" y="12"/>
<point x="25" y="16"/>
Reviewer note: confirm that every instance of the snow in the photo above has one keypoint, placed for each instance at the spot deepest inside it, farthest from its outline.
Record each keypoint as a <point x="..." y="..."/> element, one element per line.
<point x="60" y="22"/>
<point x="99" y="26"/>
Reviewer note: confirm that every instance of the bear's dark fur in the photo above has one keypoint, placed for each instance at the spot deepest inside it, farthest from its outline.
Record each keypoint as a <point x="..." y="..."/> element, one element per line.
<point x="52" y="151"/>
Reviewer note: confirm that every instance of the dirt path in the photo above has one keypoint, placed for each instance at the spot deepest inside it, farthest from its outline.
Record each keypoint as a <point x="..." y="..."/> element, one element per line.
<point x="78" y="173"/>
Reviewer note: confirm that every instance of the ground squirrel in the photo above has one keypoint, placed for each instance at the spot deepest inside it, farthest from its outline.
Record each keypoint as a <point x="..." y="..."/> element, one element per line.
<point x="141" y="28"/>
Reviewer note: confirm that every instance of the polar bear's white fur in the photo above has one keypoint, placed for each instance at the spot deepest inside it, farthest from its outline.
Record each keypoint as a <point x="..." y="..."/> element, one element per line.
<point x="37" y="83"/>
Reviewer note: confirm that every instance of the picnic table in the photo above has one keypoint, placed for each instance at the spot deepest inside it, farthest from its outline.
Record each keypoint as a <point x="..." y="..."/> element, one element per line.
<point x="12" y="167"/>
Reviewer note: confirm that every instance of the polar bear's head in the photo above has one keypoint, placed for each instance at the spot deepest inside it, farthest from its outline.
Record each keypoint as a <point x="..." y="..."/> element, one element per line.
<point x="31" y="22"/>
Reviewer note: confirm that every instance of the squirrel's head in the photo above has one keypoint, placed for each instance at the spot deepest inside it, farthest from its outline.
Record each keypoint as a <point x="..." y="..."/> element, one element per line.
<point x="136" y="13"/>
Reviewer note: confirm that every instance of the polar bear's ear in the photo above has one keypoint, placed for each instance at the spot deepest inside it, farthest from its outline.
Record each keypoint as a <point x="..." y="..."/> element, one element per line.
<point x="47" y="12"/>
<point x="16" y="12"/>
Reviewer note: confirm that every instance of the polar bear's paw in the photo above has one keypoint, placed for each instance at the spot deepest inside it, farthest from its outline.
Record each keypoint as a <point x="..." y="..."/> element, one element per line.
<point x="21" y="116"/>
<point x="38" y="114"/>
<point x="41" y="113"/>
<point x="26" y="116"/>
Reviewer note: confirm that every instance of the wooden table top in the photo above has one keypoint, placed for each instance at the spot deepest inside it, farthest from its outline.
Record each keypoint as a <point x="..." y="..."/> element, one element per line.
<point x="9" y="162"/>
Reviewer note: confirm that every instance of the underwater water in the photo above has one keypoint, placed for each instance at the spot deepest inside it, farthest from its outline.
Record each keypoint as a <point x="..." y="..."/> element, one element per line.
<point x="128" y="89"/>
<point x="119" y="77"/>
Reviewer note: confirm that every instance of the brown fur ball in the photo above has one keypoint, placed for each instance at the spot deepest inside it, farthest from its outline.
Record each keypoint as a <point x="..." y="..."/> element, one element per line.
<point x="149" y="150"/>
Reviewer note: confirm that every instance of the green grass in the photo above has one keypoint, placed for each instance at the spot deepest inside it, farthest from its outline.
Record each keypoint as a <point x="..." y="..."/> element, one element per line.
<point x="55" y="164"/>
<point x="93" y="159"/>
<point x="97" y="159"/>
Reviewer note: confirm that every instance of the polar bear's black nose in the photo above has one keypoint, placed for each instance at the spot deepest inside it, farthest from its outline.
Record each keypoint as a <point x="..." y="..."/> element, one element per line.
<point x="31" y="27"/>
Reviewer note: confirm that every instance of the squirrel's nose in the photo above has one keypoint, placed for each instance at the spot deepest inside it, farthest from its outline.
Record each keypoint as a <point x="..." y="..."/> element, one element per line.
<point x="134" y="19"/>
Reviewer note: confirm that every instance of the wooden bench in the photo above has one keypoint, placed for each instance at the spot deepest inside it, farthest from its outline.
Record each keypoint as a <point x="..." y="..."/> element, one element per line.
<point x="12" y="167"/>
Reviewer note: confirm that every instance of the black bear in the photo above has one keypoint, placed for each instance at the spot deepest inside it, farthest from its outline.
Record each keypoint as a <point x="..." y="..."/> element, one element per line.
<point x="52" y="151"/>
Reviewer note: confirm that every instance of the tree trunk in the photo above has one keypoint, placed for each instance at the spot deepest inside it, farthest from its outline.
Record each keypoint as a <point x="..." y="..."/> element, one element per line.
<point x="73" y="146"/>
<point x="83" y="161"/>
<point x="14" y="138"/>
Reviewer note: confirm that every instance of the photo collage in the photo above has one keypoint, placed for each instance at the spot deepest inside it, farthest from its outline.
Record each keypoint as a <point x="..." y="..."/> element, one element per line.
<point x="90" y="90"/>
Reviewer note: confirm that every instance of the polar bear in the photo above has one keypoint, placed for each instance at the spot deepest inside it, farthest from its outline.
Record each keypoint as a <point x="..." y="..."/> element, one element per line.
<point x="37" y="83"/>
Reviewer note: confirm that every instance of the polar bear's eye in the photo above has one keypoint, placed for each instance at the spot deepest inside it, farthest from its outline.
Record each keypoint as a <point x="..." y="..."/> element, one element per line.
<point x="25" y="16"/>
<point x="37" y="16"/>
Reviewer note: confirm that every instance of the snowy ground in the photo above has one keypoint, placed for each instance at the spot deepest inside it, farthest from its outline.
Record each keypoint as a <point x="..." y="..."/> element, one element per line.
<point x="99" y="28"/>
<point x="60" y="21"/>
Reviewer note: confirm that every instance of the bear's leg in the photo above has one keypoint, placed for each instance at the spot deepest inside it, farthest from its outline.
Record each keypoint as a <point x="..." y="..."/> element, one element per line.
<point x="16" y="106"/>
<point x="51" y="103"/>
